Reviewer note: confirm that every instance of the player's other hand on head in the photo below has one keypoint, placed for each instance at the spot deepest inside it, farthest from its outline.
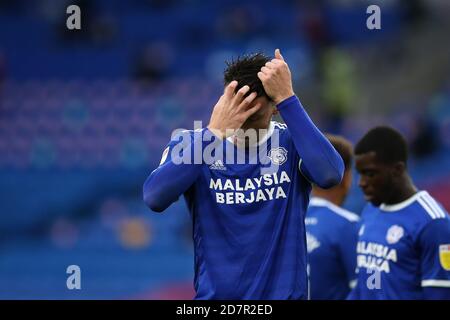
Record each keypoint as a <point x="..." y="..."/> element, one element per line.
<point x="232" y="110"/>
<point x="276" y="78"/>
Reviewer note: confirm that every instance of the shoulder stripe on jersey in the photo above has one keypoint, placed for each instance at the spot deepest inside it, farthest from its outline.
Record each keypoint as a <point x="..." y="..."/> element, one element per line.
<point x="401" y="205"/>
<point x="427" y="208"/>
<point x="434" y="205"/>
<point x="350" y="216"/>
<point x="436" y="283"/>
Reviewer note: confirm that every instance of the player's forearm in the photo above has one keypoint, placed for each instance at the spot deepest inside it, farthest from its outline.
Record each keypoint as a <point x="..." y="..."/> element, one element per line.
<point x="170" y="180"/>
<point x="324" y="165"/>
<point x="167" y="183"/>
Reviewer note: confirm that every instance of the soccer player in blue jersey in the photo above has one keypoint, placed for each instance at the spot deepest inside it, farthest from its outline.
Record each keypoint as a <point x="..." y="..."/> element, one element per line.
<point x="332" y="234"/>
<point x="403" y="250"/>
<point x="248" y="218"/>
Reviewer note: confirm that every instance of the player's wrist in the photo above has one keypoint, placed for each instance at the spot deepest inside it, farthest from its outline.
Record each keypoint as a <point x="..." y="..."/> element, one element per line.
<point x="217" y="132"/>
<point x="283" y="97"/>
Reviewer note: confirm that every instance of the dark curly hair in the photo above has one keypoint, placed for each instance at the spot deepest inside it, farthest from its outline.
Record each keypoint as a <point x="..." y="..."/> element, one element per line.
<point x="388" y="144"/>
<point x="244" y="70"/>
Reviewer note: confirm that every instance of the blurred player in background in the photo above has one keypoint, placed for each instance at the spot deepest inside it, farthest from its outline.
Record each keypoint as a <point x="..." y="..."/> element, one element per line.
<point x="332" y="234"/>
<point x="248" y="227"/>
<point x="403" y="250"/>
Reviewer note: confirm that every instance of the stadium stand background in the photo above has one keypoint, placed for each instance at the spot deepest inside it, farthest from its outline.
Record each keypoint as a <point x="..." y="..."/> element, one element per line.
<point x="85" y="115"/>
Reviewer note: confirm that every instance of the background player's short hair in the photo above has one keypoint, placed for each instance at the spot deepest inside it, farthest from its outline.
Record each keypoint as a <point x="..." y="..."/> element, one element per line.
<point x="388" y="144"/>
<point x="343" y="147"/>
<point x="244" y="69"/>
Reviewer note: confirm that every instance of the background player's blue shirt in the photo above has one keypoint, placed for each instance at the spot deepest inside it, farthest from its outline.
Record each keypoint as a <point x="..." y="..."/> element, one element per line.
<point x="332" y="234"/>
<point x="409" y="245"/>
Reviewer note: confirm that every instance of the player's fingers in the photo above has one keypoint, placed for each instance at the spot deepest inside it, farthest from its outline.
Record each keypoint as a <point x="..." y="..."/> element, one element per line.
<point x="270" y="65"/>
<point x="265" y="70"/>
<point x="277" y="62"/>
<point x="278" y="54"/>
<point x="246" y="102"/>
<point x="262" y="76"/>
<point x="248" y="113"/>
<point x="229" y="89"/>
<point x="240" y="95"/>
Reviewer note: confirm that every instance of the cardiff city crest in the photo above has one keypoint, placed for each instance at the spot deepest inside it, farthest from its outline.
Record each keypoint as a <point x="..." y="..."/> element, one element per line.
<point x="278" y="155"/>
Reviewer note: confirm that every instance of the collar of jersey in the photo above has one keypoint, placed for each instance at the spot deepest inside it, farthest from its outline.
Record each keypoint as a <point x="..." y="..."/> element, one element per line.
<point x="401" y="205"/>
<point x="261" y="141"/>
<point x="321" y="202"/>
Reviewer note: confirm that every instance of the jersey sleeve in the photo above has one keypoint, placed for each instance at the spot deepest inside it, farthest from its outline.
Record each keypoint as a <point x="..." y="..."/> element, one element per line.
<point x="177" y="171"/>
<point x="434" y="243"/>
<point x="320" y="162"/>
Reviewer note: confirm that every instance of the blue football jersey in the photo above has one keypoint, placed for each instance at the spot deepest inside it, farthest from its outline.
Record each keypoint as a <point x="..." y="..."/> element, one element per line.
<point x="248" y="214"/>
<point x="403" y="249"/>
<point x="248" y="227"/>
<point x="331" y="234"/>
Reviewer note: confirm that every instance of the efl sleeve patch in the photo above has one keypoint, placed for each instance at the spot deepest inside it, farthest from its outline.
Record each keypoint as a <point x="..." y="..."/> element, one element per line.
<point x="444" y="256"/>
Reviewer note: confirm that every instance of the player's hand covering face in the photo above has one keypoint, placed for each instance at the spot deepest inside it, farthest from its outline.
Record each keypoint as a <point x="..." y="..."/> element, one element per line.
<point x="232" y="110"/>
<point x="276" y="78"/>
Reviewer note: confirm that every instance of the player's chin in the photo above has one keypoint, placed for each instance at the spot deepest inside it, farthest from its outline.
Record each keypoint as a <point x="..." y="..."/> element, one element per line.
<point x="257" y="116"/>
<point x="252" y="121"/>
<point x="372" y="199"/>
